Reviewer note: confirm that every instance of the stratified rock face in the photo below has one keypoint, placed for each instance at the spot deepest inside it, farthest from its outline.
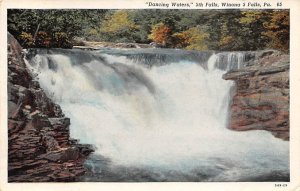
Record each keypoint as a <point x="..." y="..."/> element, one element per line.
<point x="261" y="98"/>
<point x="39" y="145"/>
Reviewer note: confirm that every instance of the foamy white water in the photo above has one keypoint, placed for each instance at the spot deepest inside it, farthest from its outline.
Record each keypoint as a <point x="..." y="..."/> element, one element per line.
<point x="170" y="117"/>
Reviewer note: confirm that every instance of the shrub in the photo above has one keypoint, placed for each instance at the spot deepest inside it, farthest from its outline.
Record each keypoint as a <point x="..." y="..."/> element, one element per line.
<point x="26" y="39"/>
<point x="43" y="40"/>
<point x="180" y="39"/>
<point x="61" y="40"/>
<point x="226" y="42"/>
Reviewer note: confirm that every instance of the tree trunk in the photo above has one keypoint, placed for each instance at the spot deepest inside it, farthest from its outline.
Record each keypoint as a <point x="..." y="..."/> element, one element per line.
<point x="35" y="33"/>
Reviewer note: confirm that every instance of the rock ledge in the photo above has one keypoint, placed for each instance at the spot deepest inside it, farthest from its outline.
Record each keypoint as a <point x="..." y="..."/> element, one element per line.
<point x="261" y="97"/>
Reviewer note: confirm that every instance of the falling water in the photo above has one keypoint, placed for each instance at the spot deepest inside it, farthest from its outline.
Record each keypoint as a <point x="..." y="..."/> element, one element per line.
<point x="158" y="122"/>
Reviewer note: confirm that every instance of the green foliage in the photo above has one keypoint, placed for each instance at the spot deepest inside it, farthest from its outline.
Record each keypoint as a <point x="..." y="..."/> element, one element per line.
<point x="252" y="28"/>
<point x="71" y="22"/>
<point x="118" y="27"/>
<point x="197" y="40"/>
<point x="190" y="29"/>
<point x="227" y="41"/>
<point x="118" y="21"/>
<point x="192" y="39"/>
<point x="249" y="17"/>
<point x="61" y="39"/>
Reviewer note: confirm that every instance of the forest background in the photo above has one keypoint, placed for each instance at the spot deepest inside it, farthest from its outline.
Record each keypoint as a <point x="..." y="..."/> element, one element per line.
<point x="224" y="30"/>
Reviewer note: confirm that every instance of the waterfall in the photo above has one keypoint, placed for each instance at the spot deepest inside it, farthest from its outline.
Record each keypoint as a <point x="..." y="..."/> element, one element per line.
<point x="169" y="120"/>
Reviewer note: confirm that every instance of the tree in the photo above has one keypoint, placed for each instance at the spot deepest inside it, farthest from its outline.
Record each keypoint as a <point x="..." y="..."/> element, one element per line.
<point x="192" y="39"/>
<point x="192" y="29"/>
<point x="278" y="30"/>
<point x="161" y="34"/>
<point x="252" y="28"/>
<point x="226" y="41"/>
<point x="62" y="23"/>
<point x="118" y="26"/>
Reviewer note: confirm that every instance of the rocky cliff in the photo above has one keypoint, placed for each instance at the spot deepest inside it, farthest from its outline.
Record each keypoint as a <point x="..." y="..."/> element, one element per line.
<point x="261" y="97"/>
<point x="39" y="146"/>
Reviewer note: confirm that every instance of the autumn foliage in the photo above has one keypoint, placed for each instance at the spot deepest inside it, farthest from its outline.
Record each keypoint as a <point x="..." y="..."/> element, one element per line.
<point x="269" y="28"/>
<point x="181" y="39"/>
<point x="225" y="30"/>
<point x="193" y="38"/>
<point x="45" y="40"/>
<point x="278" y="30"/>
<point x="226" y="41"/>
<point x="26" y="39"/>
<point x="161" y="34"/>
<point x="42" y="39"/>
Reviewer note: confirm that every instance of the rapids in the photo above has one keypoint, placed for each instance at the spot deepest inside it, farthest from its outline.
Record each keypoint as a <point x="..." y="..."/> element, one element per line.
<point x="158" y="115"/>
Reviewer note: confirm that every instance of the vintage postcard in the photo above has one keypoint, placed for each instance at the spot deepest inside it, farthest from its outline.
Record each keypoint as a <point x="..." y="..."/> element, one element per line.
<point x="150" y="95"/>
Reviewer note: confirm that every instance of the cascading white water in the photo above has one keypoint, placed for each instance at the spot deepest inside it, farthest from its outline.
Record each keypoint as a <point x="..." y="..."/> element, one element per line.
<point x="164" y="118"/>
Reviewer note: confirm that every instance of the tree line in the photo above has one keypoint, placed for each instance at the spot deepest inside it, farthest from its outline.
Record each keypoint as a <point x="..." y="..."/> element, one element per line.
<point x="189" y="29"/>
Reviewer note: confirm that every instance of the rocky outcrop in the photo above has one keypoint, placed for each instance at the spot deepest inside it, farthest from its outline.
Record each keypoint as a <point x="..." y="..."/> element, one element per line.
<point x="39" y="146"/>
<point x="261" y="97"/>
<point x="93" y="45"/>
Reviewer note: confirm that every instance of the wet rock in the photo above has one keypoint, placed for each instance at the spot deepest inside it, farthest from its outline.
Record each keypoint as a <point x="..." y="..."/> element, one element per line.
<point x="261" y="97"/>
<point x="126" y="45"/>
<point x="92" y="45"/>
<point x="85" y="149"/>
<point x="49" y="142"/>
<point x="63" y="155"/>
<point x="34" y="84"/>
<point x="61" y="129"/>
<point x="156" y="45"/>
<point x="38" y="122"/>
<point x="39" y="141"/>
<point x="265" y="53"/>
<point x="15" y="126"/>
<point x="43" y="103"/>
<point x="12" y="109"/>
<point x="59" y="122"/>
<point x="275" y="69"/>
